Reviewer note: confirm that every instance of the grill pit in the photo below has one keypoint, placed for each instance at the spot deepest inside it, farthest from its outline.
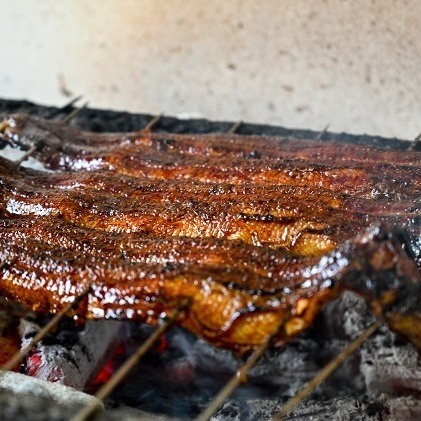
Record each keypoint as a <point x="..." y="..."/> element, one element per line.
<point x="182" y="374"/>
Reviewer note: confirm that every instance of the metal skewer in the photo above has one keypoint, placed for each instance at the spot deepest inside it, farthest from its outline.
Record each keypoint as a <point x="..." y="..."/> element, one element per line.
<point x="122" y="372"/>
<point x="415" y="143"/>
<point x="235" y="381"/>
<point x="9" y="365"/>
<point x="74" y="113"/>
<point x="319" y="136"/>
<point x="65" y="120"/>
<point x="64" y="107"/>
<point x="25" y="156"/>
<point x="325" y="372"/>
<point x="234" y="127"/>
<point x="151" y="123"/>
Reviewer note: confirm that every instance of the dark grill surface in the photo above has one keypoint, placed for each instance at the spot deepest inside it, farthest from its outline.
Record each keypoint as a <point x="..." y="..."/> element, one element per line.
<point x="117" y="121"/>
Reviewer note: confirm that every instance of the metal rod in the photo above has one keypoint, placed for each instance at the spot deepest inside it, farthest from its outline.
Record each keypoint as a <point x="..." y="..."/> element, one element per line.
<point x="65" y="120"/>
<point x="74" y="113"/>
<point x="71" y="102"/>
<point x="25" y="156"/>
<point x="122" y="372"/>
<point x="9" y="365"/>
<point x="235" y="381"/>
<point x="234" y="127"/>
<point x="151" y="123"/>
<point x="325" y="372"/>
<point x="415" y="143"/>
<point x="64" y="107"/>
<point x="321" y="134"/>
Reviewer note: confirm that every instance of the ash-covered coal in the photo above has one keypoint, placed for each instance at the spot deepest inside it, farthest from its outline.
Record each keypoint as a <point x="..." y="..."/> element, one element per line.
<point x="182" y="374"/>
<point x="384" y="408"/>
<point x="25" y="406"/>
<point x="386" y="363"/>
<point x="21" y="394"/>
<point x="71" y="354"/>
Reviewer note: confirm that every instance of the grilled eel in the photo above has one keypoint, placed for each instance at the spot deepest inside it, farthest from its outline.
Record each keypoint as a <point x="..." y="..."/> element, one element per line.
<point x="359" y="170"/>
<point x="300" y="220"/>
<point x="141" y="247"/>
<point x="233" y="306"/>
<point x="23" y="130"/>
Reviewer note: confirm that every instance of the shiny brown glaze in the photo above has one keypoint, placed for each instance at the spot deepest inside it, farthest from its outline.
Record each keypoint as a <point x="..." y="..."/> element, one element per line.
<point x="24" y="130"/>
<point x="360" y="170"/>
<point x="140" y="247"/>
<point x="257" y="235"/>
<point x="233" y="307"/>
<point x="224" y="308"/>
<point x="272" y="266"/>
<point x="295" y="219"/>
<point x="300" y="220"/>
<point x="372" y="181"/>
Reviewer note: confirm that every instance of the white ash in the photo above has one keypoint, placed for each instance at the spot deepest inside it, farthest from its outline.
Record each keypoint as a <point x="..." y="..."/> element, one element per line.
<point x="387" y="364"/>
<point x="69" y="365"/>
<point x="21" y="384"/>
<point x="384" y="408"/>
<point x="391" y="367"/>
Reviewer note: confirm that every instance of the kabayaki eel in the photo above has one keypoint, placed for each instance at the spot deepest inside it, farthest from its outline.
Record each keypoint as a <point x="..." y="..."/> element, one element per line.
<point x="297" y="219"/>
<point x="257" y="237"/>
<point x="233" y="306"/>
<point x="360" y="170"/>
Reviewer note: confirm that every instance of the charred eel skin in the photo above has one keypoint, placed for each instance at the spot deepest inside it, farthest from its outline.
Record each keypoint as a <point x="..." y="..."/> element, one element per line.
<point x="354" y="169"/>
<point x="233" y="306"/>
<point x="23" y="130"/>
<point x="300" y="220"/>
<point x="259" y="233"/>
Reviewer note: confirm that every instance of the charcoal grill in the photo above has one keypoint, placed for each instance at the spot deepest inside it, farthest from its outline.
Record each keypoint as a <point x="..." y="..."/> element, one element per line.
<point x="380" y="381"/>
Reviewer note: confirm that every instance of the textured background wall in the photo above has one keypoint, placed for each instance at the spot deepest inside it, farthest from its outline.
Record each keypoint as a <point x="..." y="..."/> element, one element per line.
<point x="355" y="65"/>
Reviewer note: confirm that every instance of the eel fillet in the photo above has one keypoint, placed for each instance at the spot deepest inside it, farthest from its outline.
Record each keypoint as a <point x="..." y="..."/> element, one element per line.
<point x="257" y="232"/>
<point x="232" y="305"/>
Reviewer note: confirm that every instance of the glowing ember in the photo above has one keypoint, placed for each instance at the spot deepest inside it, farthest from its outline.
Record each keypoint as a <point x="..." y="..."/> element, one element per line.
<point x="10" y="341"/>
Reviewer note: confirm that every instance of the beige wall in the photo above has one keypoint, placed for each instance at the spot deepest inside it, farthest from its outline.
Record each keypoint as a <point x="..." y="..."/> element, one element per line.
<point x="355" y="65"/>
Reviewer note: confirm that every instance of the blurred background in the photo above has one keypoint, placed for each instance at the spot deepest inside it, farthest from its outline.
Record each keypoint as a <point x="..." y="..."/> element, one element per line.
<point x="352" y="65"/>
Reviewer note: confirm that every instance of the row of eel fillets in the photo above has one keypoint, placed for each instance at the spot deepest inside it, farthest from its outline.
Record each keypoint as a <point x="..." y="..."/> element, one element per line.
<point x="258" y="233"/>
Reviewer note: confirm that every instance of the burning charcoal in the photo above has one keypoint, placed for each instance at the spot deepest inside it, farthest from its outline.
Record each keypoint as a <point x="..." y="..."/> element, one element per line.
<point x="72" y="361"/>
<point x="10" y="316"/>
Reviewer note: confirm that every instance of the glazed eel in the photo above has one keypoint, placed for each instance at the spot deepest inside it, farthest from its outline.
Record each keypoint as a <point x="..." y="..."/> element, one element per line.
<point x="257" y="235"/>
<point x="359" y="170"/>
<point x="300" y="220"/>
<point x="238" y="293"/>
